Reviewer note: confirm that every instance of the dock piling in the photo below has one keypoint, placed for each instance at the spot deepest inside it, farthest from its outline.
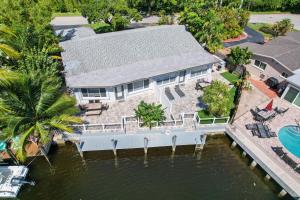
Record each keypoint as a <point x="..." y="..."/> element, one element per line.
<point x="146" y="141"/>
<point x="282" y="193"/>
<point x="267" y="177"/>
<point x="114" y="143"/>
<point x="244" y="154"/>
<point x="233" y="145"/>
<point x="253" y="164"/>
<point x="174" y="143"/>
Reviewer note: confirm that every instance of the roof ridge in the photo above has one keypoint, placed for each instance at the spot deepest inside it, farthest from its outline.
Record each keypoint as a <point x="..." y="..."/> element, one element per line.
<point x="129" y="31"/>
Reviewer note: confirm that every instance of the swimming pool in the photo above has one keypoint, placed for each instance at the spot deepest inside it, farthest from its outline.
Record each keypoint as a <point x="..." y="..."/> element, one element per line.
<point x="289" y="136"/>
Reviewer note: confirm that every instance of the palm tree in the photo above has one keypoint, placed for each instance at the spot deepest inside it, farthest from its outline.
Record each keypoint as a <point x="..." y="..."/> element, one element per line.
<point x="31" y="107"/>
<point x="6" y="50"/>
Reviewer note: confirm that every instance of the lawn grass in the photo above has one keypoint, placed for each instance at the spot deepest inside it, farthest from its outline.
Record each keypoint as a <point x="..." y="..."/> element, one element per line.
<point x="232" y="78"/>
<point x="66" y="14"/>
<point x="269" y="12"/>
<point x="258" y="26"/>
<point x="232" y="93"/>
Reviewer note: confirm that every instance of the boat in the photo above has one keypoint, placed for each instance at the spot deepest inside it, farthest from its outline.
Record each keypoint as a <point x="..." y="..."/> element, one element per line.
<point x="11" y="180"/>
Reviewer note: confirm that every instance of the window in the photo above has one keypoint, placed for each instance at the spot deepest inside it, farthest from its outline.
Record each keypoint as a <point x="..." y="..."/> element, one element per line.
<point x="138" y="85"/>
<point x="260" y="65"/>
<point x="93" y="92"/>
<point x="198" y="72"/>
<point x="291" y="94"/>
<point x="285" y="75"/>
<point x="166" y="79"/>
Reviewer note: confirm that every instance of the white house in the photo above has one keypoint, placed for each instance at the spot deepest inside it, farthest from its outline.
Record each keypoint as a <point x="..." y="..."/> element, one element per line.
<point x="115" y="66"/>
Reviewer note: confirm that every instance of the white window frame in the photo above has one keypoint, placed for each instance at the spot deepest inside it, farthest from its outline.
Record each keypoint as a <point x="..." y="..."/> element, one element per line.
<point x="259" y="67"/>
<point x="166" y="79"/>
<point x="196" y="72"/>
<point x="134" y="90"/>
<point x="94" y="97"/>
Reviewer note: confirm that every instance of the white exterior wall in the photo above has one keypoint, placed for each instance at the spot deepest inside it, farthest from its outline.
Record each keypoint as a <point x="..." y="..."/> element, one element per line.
<point x="110" y="91"/>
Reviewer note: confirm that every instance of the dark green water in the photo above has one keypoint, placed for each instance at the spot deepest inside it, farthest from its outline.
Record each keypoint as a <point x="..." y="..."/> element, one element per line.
<point x="218" y="173"/>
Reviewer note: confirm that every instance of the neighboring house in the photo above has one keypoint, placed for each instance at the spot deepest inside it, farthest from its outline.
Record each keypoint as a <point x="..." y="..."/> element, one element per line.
<point x="115" y="66"/>
<point x="292" y="92"/>
<point x="278" y="58"/>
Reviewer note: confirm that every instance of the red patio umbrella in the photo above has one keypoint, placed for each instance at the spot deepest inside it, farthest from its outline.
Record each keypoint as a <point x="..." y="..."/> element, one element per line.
<point x="270" y="105"/>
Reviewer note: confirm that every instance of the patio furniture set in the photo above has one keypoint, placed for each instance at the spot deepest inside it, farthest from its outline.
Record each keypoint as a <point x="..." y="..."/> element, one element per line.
<point x="93" y="108"/>
<point x="260" y="130"/>
<point x="287" y="159"/>
<point x="177" y="89"/>
<point x="268" y="113"/>
<point x="201" y="84"/>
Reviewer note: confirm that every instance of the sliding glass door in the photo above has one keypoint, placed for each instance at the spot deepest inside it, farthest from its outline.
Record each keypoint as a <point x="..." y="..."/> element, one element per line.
<point x="293" y="96"/>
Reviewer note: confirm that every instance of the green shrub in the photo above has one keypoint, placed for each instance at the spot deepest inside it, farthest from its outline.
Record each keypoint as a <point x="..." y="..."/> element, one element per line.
<point x="101" y="27"/>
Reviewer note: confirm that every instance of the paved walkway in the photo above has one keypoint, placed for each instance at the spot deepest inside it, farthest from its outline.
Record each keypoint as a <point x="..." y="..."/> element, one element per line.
<point x="264" y="88"/>
<point x="253" y="36"/>
<point x="272" y="18"/>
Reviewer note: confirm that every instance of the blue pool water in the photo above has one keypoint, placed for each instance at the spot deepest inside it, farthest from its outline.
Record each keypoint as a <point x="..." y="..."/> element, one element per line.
<point x="289" y="136"/>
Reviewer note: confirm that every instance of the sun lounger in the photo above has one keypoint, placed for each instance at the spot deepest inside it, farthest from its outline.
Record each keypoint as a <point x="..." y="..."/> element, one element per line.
<point x="169" y="94"/>
<point x="297" y="170"/>
<point x="179" y="91"/>
<point x="289" y="161"/>
<point x="251" y="126"/>
<point x="279" y="151"/>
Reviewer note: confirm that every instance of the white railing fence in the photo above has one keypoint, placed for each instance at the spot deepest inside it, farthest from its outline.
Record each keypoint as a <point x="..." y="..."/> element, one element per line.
<point x="210" y="120"/>
<point x="132" y="120"/>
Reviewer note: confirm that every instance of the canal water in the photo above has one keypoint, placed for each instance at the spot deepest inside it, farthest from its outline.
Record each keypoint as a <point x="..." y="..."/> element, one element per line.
<point x="216" y="173"/>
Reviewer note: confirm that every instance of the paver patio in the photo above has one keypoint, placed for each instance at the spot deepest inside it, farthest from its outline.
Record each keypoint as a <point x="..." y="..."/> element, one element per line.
<point x="188" y="104"/>
<point x="275" y="125"/>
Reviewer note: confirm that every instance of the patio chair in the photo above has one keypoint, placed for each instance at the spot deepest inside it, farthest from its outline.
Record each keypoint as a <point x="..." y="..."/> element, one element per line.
<point x="281" y="111"/>
<point x="297" y="169"/>
<point x="279" y="151"/>
<point x="169" y="94"/>
<point x="255" y="133"/>
<point x="105" y="106"/>
<point x="289" y="161"/>
<point x="272" y="134"/>
<point x="179" y="91"/>
<point x="251" y="126"/>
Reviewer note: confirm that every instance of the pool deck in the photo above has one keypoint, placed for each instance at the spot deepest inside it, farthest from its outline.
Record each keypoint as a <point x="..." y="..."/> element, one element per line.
<point x="288" y="181"/>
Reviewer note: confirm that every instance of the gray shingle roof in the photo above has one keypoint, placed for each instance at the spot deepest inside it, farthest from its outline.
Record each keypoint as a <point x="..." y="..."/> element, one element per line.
<point x="114" y="58"/>
<point x="285" y="49"/>
<point x="295" y="79"/>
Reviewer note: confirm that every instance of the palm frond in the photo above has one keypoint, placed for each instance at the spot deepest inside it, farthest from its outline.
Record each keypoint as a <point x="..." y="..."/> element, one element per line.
<point x="21" y="144"/>
<point x="9" y="51"/>
<point x="63" y="103"/>
<point x="6" y="31"/>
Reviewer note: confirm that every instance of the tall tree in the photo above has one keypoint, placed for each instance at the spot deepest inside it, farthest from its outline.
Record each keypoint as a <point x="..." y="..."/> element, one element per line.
<point x="117" y="13"/>
<point x="31" y="107"/>
<point x="205" y="25"/>
<point x="217" y="97"/>
<point x="239" y="56"/>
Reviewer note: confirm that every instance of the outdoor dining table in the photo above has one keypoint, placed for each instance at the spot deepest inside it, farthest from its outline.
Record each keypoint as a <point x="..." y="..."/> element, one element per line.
<point x="266" y="114"/>
<point x="93" y="106"/>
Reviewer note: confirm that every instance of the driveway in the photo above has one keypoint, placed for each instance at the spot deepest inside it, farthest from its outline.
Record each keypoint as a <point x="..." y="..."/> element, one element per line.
<point x="272" y="18"/>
